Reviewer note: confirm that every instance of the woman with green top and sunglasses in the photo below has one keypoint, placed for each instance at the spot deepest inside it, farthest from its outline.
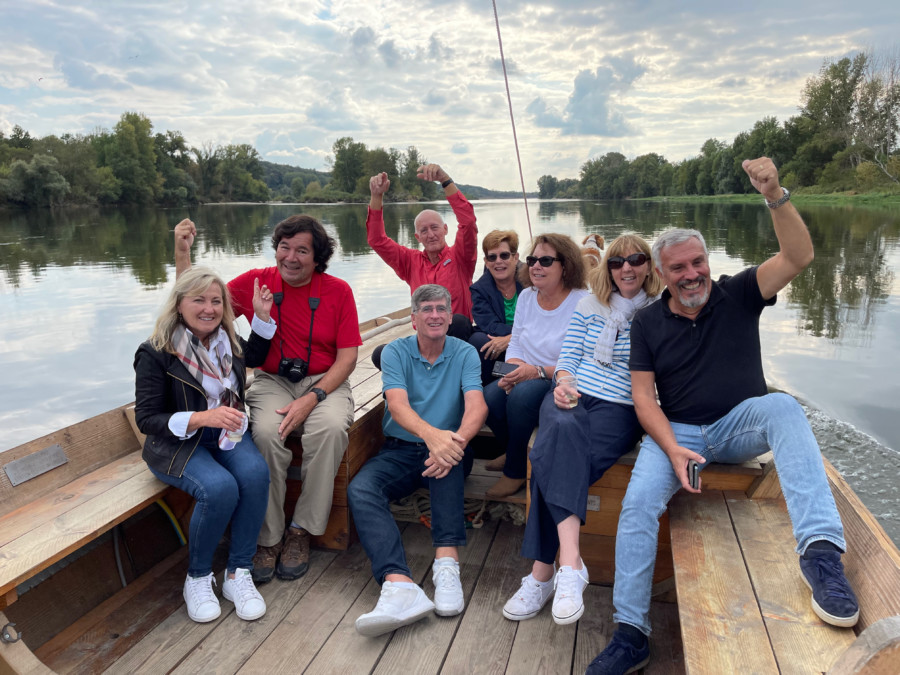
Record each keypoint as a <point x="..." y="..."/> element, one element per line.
<point x="494" y="298"/>
<point x="554" y="282"/>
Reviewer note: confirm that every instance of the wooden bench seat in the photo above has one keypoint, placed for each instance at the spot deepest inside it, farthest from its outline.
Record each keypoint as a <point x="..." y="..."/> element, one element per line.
<point x="743" y="605"/>
<point x="103" y="482"/>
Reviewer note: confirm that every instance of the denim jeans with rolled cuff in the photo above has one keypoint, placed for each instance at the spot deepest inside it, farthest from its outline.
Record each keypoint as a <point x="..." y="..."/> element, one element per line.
<point x="396" y="472"/>
<point x="773" y="422"/>
<point x="230" y="486"/>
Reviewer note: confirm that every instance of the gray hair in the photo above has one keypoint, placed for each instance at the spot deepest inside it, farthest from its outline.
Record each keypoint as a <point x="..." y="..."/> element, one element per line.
<point x="673" y="237"/>
<point x="430" y="292"/>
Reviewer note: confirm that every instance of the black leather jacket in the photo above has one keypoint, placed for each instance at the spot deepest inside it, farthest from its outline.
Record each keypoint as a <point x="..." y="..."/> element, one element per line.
<point x="164" y="386"/>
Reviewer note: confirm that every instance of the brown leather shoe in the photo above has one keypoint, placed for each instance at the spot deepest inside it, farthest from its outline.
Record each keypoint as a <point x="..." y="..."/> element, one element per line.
<point x="504" y="487"/>
<point x="294" y="560"/>
<point x="264" y="563"/>
<point x="497" y="463"/>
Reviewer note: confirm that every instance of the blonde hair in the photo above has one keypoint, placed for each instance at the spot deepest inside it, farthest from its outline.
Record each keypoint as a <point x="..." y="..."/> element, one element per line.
<point x="195" y="281"/>
<point x="601" y="280"/>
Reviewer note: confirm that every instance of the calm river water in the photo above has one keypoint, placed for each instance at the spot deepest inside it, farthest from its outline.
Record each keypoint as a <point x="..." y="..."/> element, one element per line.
<point x="79" y="290"/>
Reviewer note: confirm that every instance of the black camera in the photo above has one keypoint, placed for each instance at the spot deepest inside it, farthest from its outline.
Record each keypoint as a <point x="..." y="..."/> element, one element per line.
<point x="293" y="369"/>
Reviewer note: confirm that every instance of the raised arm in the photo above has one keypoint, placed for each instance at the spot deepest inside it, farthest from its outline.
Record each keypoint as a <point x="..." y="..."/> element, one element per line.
<point x="184" y="239"/>
<point x="794" y="243"/>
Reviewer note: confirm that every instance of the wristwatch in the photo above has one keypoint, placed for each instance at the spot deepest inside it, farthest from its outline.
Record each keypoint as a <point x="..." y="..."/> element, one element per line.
<point x="320" y="394"/>
<point x="779" y="202"/>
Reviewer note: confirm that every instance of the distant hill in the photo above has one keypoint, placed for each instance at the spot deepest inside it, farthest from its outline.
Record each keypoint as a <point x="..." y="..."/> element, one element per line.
<point x="477" y="192"/>
<point x="279" y="177"/>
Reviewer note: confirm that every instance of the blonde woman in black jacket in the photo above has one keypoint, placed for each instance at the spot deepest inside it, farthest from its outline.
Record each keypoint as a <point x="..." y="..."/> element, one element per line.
<point x="190" y="387"/>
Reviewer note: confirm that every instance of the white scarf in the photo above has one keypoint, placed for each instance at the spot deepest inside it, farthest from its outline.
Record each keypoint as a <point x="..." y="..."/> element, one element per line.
<point x="618" y="315"/>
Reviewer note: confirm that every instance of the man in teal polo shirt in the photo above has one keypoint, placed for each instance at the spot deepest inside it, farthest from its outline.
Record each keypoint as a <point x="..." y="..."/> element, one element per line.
<point x="435" y="406"/>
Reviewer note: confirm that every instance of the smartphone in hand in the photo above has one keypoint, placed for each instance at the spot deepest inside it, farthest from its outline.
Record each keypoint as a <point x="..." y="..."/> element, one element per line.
<point x="502" y="368"/>
<point x="693" y="471"/>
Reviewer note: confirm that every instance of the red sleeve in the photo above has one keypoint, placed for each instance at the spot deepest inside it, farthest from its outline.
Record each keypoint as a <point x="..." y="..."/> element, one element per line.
<point x="396" y="256"/>
<point x="465" y="247"/>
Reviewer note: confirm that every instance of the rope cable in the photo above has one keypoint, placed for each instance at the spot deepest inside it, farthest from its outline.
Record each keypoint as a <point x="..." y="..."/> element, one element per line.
<point x="512" y="119"/>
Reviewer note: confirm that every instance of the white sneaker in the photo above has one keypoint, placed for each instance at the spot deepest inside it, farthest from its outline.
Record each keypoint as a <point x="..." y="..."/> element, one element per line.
<point x="448" y="592"/>
<point x="201" y="600"/>
<point x="529" y="600"/>
<point x="248" y="603"/>
<point x="396" y="607"/>
<point x="567" y="603"/>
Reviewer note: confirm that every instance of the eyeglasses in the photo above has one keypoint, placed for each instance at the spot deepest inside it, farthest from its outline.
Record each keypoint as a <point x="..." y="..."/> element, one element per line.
<point x="430" y="309"/>
<point x="545" y="260"/>
<point x="635" y="260"/>
<point x="492" y="257"/>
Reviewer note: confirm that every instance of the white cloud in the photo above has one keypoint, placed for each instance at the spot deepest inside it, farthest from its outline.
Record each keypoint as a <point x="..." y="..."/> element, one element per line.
<point x="292" y="77"/>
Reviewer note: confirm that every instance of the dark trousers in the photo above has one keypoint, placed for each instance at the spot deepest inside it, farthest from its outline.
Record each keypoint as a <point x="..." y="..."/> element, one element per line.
<point x="512" y="417"/>
<point x="572" y="451"/>
<point x="396" y="472"/>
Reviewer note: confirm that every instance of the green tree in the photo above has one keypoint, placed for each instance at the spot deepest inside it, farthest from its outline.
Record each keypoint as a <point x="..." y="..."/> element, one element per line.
<point x="173" y="162"/>
<point x="36" y="183"/>
<point x="132" y="158"/>
<point x="547" y="186"/>
<point x="347" y="165"/>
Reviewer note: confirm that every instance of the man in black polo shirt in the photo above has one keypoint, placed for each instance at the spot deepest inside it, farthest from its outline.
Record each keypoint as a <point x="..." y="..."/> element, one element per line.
<point x="698" y="349"/>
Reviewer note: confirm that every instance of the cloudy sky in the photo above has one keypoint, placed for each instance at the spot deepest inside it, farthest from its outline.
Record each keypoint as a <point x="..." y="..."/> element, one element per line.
<point x="290" y="77"/>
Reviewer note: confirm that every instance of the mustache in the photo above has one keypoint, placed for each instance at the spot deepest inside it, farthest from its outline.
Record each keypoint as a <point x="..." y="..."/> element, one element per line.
<point x="701" y="278"/>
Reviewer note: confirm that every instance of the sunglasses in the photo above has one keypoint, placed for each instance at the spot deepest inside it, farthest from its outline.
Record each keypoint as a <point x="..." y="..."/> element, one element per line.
<point x="635" y="260"/>
<point x="545" y="260"/>
<point x="492" y="257"/>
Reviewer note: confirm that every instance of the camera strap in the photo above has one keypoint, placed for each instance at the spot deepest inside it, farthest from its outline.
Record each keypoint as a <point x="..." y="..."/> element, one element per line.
<point x="278" y="297"/>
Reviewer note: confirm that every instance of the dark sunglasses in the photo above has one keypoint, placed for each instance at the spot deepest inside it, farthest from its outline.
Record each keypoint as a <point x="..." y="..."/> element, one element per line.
<point x="492" y="257"/>
<point x="545" y="260"/>
<point x="635" y="260"/>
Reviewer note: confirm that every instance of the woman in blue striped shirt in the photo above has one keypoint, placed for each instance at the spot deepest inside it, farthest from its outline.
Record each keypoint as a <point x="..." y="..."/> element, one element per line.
<point x="583" y="429"/>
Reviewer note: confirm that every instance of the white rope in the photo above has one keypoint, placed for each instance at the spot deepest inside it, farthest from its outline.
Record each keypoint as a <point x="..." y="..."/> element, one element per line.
<point x="511" y="117"/>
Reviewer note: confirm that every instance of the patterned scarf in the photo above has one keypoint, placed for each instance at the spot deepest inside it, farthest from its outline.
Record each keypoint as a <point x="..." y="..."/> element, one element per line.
<point x="618" y="315"/>
<point x="213" y="374"/>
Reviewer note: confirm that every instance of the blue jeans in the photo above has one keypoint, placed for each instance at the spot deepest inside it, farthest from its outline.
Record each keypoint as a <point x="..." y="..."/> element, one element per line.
<point x="572" y="451"/>
<point x="230" y="486"/>
<point x="773" y="422"/>
<point x="396" y="472"/>
<point x="512" y="417"/>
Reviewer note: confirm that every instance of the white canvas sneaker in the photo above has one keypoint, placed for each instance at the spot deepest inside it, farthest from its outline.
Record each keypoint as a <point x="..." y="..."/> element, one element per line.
<point x="248" y="603"/>
<point x="529" y="600"/>
<point x="448" y="592"/>
<point x="396" y="607"/>
<point x="567" y="603"/>
<point x="201" y="600"/>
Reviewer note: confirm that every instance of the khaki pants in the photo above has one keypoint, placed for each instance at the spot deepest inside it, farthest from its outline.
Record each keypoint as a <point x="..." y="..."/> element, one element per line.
<point x="324" y="438"/>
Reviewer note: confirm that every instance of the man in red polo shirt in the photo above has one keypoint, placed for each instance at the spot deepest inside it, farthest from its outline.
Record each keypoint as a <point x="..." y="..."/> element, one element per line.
<point x="449" y="266"/>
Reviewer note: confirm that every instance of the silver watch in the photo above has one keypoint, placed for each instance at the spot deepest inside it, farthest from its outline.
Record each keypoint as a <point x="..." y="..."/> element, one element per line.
<point x="779" y="202"/>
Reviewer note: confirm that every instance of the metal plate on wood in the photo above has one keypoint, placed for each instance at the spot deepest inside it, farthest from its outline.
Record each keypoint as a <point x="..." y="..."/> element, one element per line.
<point x="25" y="468"/>
<point x="593" y="503"/>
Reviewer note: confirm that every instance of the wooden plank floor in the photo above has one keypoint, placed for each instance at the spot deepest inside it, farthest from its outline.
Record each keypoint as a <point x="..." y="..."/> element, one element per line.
<point x="309" y="625"/>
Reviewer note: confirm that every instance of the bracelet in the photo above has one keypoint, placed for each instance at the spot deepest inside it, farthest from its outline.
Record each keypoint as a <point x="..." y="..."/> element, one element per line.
<point x="779" y="202"/>
<point x="541" y="372"/>
<point x="447" y="182"/>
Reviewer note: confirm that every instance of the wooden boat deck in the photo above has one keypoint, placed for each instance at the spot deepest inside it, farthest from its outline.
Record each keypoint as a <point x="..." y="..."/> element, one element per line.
<point x="309" y="624"/>
<point x="726" y="558"/>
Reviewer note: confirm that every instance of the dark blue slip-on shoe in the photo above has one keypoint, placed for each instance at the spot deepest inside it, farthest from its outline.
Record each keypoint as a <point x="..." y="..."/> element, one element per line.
<point x="619" y="657"/>
<point x="832" y="598"/>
